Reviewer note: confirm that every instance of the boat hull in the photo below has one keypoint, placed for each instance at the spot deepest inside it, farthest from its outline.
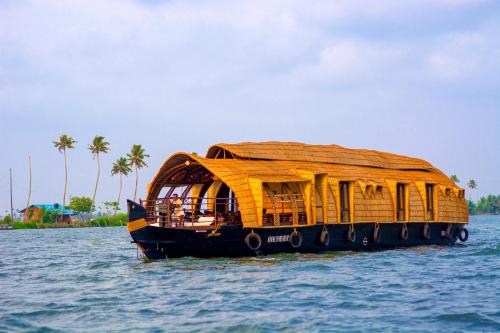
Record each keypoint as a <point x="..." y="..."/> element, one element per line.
<point x="229" y="241"/>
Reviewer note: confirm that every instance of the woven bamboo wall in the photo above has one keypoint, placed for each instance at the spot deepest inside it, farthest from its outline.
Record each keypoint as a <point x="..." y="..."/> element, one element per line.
<point x="373" y="205"/>
<point x="416" y="205"/>
<point x="451" y="208"/>
<point x="332" y="208"/>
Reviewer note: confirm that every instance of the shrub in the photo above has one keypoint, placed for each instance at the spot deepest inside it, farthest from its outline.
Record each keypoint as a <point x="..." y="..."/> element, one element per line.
<point x="7" y="220"/>
<point x="24" y="225"/>
<point x="110" y="221"/>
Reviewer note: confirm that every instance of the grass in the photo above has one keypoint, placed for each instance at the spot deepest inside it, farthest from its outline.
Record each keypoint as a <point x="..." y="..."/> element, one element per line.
<point x="104" y="221"/>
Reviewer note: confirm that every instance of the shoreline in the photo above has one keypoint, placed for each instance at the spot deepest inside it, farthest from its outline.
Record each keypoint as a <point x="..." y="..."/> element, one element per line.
<point x="104" y="222"/>
<point x="119" y="220"/>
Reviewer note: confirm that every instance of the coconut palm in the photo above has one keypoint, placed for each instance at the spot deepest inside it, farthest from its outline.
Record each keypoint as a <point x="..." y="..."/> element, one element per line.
<point x="99" y="145"/>
<point x="65" y="142"/>
<point x="454" y="179"/>
<point x="121" y="167"/>
<point x="472" y="185"/>
<point x="136" y="159"/>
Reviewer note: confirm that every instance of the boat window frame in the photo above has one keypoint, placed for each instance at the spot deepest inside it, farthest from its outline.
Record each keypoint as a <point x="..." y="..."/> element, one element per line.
<point x="430" y="214"/>
<point x="402" y="203"/>
<point x="345" y="201"/>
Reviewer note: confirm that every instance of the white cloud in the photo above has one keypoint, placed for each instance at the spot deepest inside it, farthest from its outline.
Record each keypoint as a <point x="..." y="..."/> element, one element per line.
<point x="462" y="56"/>
<point x="349" y="60"/>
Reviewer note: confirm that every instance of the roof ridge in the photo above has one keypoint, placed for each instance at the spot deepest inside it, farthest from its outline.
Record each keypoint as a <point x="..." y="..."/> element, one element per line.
<point x="332" y="154"/>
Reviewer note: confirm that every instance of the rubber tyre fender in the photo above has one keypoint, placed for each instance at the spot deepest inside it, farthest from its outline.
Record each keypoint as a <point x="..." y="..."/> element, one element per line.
<point x="448" y="231"/>
<point x="376" y="233"/>
<point x="295" y="235"/>
<point x="248" y="241"/>
<point x="463" y="234"/>
<point x="351" y="234"/>
<point x="324" y="238"/>
<point x="426" y="232"/>
<point x="404" y="233"/>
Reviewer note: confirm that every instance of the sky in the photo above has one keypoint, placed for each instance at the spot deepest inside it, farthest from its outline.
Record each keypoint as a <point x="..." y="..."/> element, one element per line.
<point x="418" y="78"/>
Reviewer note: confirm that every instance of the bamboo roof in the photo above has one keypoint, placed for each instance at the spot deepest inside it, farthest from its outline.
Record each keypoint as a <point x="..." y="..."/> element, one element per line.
<point x="332" y="154"/>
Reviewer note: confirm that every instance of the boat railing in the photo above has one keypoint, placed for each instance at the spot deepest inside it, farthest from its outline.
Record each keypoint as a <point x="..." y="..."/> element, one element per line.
<point x="193" y="212"/>
<point x="284" y="209"/>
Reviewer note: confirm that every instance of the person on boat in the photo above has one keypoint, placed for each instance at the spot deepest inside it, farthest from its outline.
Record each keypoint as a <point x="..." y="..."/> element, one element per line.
<point x="178" y="210"/>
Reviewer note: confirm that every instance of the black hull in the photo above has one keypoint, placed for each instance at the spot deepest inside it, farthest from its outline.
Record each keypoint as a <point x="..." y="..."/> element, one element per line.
<point x="229" y="241"/>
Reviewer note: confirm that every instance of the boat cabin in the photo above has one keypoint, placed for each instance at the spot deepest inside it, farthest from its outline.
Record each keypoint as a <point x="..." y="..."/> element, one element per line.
<point x="283" y="184"/>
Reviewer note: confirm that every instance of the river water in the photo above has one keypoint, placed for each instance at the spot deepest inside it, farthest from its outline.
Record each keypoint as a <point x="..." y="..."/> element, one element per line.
<point x="88" y="280"/>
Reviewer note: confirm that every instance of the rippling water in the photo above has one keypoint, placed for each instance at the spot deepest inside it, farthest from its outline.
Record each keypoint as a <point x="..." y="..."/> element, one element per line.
<point x="88" y="280"/>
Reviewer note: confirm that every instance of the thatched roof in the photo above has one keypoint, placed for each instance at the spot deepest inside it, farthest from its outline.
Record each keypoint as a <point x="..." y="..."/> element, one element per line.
<point x="331" y="154"/>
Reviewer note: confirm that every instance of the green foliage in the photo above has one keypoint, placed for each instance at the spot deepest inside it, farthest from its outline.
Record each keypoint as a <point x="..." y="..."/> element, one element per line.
<point x="81" y="204"/>
<point x="472" y="207"/>
<point x="472" y="184"/>
<point x="111" y="205"/>
<point x="99" y="145"/>
<point x="65" y="142"/>
<point x="48" y="217"/>
<point x="485" y="205"/>
<point x="121" y="166"/>
<point x="7" y="220"/>
<point x="24" y="225"/>
<point x="454" y="179"/>
<point x="137" y="156"/>
<point x="103" y="221"/>
<point x="110" y="221"/>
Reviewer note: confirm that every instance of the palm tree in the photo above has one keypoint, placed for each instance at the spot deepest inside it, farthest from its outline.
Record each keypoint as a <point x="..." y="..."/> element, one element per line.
<point x="472" y="185"/>
<point x="136" y="159"/>
<point x="454" y="179"/>
<point x="65" y="142"/>
<point x="98" y="146"/>
<point x="121" y="167"/>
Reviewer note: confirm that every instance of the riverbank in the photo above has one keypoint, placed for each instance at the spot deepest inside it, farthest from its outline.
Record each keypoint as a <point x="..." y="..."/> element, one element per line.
<point x="118" y="220"/>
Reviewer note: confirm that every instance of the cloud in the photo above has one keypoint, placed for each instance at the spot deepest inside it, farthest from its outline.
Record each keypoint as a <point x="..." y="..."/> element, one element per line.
<point x="346" y="61"/>
<point x="463" y="56"/>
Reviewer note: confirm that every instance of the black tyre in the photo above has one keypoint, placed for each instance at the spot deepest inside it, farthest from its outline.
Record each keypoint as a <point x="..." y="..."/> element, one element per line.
<point x="376" y="233"/>
<point x="426" y="232"/>
<point x="324" y="238"/>
<point x="351" y="234"/>
<point x="463" y="235"/>
<point x="448" y="232"/>
<point x="253" y="241"/>
<point x="295" y="239"/>
<point x="404" y="233"/>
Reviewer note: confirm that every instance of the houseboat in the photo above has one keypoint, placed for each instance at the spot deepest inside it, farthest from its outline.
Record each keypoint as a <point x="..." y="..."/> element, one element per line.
<point x="251" y="199"/>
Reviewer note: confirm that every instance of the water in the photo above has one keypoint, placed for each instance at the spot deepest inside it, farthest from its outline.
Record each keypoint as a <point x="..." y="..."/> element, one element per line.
<point x="87" y="280"/>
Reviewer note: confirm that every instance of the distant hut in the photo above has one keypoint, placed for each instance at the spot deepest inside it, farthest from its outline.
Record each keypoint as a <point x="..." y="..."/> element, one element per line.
<point x="35" y="212"/>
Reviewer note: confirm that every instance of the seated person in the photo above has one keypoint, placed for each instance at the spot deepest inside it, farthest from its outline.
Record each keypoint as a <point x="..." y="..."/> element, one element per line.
<point x="178" y="210"/>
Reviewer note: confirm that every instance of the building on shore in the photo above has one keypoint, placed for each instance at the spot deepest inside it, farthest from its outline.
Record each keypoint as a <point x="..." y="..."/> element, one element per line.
<point x="36" y="211"/>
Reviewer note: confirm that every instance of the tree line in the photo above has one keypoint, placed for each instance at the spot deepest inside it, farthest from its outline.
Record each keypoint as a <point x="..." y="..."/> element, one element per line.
<point x="135" y="159"/>
<point x="485" y="205"/>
